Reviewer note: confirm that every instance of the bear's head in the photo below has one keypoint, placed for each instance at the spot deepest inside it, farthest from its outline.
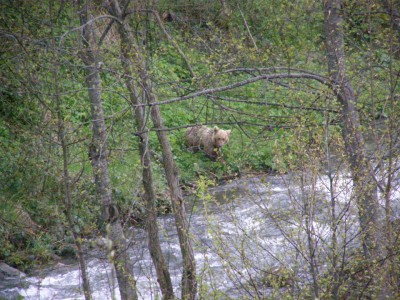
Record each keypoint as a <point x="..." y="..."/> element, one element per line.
<point x="221" y="137"/>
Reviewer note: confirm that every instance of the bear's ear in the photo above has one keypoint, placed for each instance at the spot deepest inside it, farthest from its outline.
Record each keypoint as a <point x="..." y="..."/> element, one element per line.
<point x="216" y="129"/>
<point x="228" y="132"/>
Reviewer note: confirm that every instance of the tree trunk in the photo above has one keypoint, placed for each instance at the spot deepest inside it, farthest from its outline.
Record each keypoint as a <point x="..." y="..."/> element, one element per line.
<point x="99" y="156"/>
<point x="67" y="196"/>
<point x="365" y="188"/>
<point x="62" y="139"/>
<point x="163" y="275"/>
<point x="189" y="284"/>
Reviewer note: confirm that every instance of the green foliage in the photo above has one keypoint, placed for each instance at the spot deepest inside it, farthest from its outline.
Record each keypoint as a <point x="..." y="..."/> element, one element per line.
<point x="271" y="130"/>
<point x="208" y="292"/>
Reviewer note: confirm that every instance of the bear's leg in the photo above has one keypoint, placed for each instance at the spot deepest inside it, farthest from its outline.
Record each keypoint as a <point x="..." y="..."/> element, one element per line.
<point x="193" y="149"/>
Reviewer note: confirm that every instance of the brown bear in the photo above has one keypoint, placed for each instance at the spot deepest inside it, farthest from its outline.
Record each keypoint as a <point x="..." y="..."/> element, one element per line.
<point x="210" y="140"/>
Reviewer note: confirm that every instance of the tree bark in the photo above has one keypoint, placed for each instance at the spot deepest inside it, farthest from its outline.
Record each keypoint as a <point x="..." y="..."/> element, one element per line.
<point x="99" y="156"/>
<point x="365" y="188"/>
<point x="189" y="284"/>
<point x="163" y="275"/>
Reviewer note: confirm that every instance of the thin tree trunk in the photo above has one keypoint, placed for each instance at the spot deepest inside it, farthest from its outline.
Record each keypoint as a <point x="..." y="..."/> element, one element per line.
<point x="393" y="269"/>
<point x="62" y="138"/>
<point x="309" y="216"/>
<point x="99" y="156"/>
<point x="333" y="215"/>
<point x="163" y="275"/>
<point x="189" y="284"/>
<point x="67" y="195"/>
<point x="365" y="188"/>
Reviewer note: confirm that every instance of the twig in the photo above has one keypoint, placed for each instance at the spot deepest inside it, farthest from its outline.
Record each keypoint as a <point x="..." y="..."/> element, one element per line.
<point x="173" y="42"/>
<point x="169" y="37"/>
<point x="247" y="28"/>
<point x="106" y="32"/>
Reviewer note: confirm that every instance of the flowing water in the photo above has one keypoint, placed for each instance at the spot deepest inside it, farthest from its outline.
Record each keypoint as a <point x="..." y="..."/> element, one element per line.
<point x="242" y="230"/>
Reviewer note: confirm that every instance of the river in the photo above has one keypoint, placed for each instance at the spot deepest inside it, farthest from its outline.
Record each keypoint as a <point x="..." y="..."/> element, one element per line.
<point x="244" y="231"/>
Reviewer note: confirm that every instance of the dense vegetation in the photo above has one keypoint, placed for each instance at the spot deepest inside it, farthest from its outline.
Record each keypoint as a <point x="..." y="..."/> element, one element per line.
<point x="278" y="124"/>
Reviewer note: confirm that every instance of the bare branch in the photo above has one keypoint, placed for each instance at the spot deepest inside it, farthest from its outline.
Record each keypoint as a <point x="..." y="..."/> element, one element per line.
<point x="318" y="78"/>
<point x="271" y="69"/>
<point x="173" y="42"/>
<point x="86" y="24"/>
<point x="247" y="28"/>
<point x="224" y="107"/>
<point x="264" y="103"/>
<point x="169" y="37"/>
<point x="106" y="32"/>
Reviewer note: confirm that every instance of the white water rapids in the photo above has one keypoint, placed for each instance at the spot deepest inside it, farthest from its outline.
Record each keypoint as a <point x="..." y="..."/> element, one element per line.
<point x="245" y="228"/>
